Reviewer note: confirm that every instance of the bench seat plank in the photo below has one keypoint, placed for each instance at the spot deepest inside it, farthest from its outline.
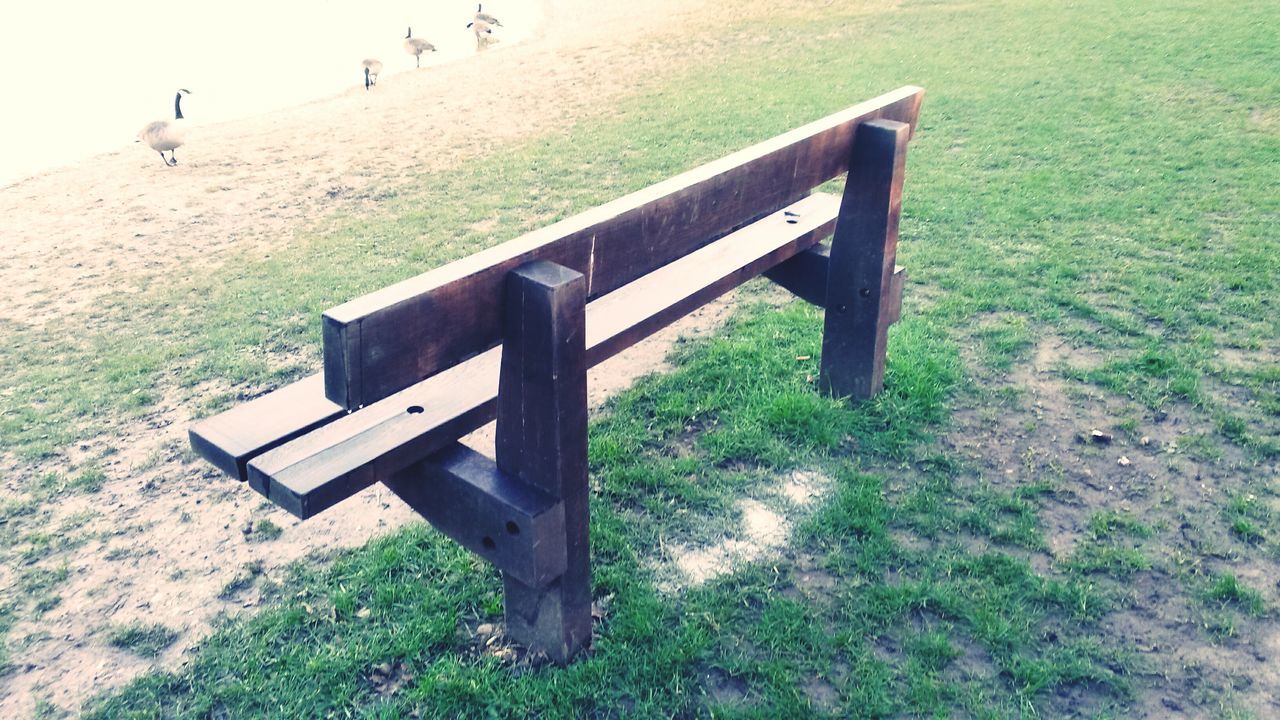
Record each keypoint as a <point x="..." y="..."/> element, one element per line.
<point x="229" y="439"/>
<point x="319" y="469"/>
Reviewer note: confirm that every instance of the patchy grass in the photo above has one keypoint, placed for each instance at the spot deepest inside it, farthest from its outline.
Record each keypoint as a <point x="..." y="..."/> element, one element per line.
<point x="6" y="621"/>
<point x="265" y="531"/>
<point x="1228" y="590"/>
<point x="410" y="601"/>
<point x="1108" y="184"/>
<point x="144" y="640"/>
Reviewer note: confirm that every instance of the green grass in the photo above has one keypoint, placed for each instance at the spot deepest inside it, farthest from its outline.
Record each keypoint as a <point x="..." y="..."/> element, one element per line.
<point x="1089" y="172"/>
<point x="6" y="621"/>
<point x="1229" y="590"/>
<point x="265" y="531"/>
<point x="141" y="639"/>
<point x="407" y="600"/>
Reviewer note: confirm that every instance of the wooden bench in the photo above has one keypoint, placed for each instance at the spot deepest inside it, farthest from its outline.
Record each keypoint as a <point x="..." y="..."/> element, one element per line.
<point x="509" y="333"/>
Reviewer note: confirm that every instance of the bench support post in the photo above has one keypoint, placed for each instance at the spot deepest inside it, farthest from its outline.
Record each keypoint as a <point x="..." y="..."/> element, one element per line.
<point x="859" y="306"/>
<point x="542" y="438"/>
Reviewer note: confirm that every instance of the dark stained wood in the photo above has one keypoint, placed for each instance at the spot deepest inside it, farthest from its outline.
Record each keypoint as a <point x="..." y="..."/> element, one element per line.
<point x="621" y="319"/>
<point x="542" y="440"/>
<point x="383" y="342"/>
<point x="805" y="275"/>
<point x="510" y="523"/>
<point x="860" y="274"/>
<point x="332" y="463"/>
<point x="230" y="439"/>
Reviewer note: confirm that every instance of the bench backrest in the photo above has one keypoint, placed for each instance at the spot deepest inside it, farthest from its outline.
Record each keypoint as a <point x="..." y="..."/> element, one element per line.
<point x="384" y="342"/>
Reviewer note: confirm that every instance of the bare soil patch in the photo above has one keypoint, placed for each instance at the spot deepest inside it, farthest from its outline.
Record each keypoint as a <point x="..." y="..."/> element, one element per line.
<point x="1034" y="426"/>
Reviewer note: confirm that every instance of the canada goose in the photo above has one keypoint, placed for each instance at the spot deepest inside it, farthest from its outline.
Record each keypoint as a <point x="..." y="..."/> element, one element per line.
<point x="486" y="17"/>
<point x="416" y="46"/>
<point x="371" y="69"/>
<point x="164" y="135"/>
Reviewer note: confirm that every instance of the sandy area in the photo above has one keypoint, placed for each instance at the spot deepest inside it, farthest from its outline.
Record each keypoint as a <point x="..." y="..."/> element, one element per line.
<point x="164" y="535"/>
<point x="74" y="234"/>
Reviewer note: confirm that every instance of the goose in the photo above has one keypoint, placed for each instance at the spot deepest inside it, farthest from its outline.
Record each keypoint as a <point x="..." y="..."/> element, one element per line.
<point x="486" y="17"/>
<point x="416" y="46"/>
<point x="371" y="69"/>
<point x="483" y="31"/>
<point x="164" y="135"/>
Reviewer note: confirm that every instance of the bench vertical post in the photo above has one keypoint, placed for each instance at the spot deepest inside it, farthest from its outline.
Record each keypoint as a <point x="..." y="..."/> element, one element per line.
<point x="859" y="279"/>
<point x="542" y="438"/>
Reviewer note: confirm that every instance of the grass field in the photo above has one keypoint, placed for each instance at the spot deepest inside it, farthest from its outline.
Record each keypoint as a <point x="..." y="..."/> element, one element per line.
<point x="1089" y="226"/>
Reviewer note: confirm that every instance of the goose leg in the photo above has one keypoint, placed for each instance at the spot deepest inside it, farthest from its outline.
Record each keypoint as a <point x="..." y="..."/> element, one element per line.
<point x="173" y="158"/>
<point x="162" y="157"/>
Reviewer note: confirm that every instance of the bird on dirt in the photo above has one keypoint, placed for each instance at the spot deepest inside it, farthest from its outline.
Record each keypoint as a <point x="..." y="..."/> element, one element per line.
<point x="485" y="17"/>
<point x="416" y="46"/>
<point x="168" y="135"/>
<point x="483" y="31"/>
<point x="371" y="69"/>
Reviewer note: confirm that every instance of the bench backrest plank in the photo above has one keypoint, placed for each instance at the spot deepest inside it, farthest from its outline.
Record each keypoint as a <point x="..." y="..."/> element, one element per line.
<point x="383" y="342"/>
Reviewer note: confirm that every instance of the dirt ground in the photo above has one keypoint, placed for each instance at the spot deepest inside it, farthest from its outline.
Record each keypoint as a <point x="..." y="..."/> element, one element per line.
<point x="166" y="538"/>
<point x="1184" y="665"/>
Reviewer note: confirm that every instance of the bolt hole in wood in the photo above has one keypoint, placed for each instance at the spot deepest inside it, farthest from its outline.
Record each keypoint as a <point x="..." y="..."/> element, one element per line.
<point x="865" y="292"/>
<point x="415" y="409"/>
<point x="512" y="528"/>
<point x="488" y="543"/>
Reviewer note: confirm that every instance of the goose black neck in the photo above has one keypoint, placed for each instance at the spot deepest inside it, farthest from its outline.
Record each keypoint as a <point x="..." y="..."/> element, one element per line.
<point x="366" y="78"/>
<point x="409" y="34"/>
<point x="177" y="106"/>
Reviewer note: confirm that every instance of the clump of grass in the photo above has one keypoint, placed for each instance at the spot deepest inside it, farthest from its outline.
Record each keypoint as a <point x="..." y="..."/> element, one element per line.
<point x="39" y="580"/>
<point x="1227" y="589"/>
<point x="244" y="579"/>
<point x="1106" y="523"/>
<point x="6" y="621"/>
<point x="1095" y="556"/>
<point x="90" y="480"/>
<point x="44" y="603"/>
<point x="1247" y="517"/>
<point x="264" y="531"/>
<point x="1004" y="341"/>
<point x="145" y="640"/>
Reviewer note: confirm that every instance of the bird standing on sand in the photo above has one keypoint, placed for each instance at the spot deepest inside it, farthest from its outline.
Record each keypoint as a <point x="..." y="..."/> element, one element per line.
<point x="416" y="46"/>
<point x="168" y="135"/>
<point x="371" y="69"/>
<point x="485" y="17"/>
<point x="483" y="31"/>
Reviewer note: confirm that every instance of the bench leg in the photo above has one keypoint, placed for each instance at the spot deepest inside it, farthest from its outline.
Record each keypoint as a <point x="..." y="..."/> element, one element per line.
<point x="542" y="439"/>
<point x="859" y="302"/>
